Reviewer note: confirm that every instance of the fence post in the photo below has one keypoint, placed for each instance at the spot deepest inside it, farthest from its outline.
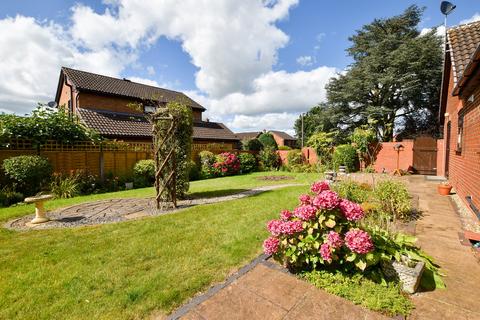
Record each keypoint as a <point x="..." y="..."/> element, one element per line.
<point x="102" y="163"/>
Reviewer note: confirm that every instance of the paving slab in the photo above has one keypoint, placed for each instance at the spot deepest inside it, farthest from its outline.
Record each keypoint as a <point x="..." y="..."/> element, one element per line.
<point x="437" y="232"/>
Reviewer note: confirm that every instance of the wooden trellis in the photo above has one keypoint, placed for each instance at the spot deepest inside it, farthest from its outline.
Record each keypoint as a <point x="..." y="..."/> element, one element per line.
<point x="164" y="143"/>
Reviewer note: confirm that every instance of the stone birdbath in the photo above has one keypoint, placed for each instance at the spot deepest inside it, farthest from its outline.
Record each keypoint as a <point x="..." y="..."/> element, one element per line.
<point x="40" y="215"/>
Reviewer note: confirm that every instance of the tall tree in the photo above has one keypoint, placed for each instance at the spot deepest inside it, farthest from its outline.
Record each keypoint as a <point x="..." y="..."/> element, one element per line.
<point x="394" y="80"/>
<point x="321" y="118"/>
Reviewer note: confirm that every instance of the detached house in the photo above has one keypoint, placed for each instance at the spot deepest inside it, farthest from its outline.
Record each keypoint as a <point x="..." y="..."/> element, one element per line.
<point x="101" y="103"/>
<point x="460" y="113"/>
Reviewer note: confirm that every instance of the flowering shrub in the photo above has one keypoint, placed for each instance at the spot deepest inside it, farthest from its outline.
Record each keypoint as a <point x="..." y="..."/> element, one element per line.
<point x="322" y="230"/>
<point x="226" y="164"/>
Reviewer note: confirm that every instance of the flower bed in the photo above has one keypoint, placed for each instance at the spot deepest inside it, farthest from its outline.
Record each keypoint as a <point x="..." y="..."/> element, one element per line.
<point x="326" y="231"/>
<point x="322" y="230"/>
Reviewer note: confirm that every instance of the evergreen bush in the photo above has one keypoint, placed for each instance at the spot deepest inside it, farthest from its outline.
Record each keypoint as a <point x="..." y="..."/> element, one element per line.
<point x="27" y="174"/>
<point x="268" y="141"/>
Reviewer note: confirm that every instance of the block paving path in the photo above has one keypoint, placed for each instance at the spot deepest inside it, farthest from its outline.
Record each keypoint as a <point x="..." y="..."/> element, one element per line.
<point x="438" y="234"/>
<point x="266" y="292"/>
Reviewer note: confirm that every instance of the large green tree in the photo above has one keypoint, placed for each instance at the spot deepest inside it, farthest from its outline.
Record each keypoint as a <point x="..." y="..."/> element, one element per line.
<point x="394" y="80"/>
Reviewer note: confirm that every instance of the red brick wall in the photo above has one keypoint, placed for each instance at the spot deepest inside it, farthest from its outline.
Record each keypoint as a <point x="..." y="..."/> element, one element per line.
<point x="464" y="166"/>
<point x="308" y="153"/>
<point x="387" y="156"/>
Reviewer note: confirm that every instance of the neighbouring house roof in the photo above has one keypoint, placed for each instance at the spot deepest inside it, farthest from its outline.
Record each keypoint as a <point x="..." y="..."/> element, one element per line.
<point x="123" y="125"/>
<point x="247" y="135"/>
<point x="93" y="82"/>
<point x="283" y="135"/>
<point x="463" y="40"/>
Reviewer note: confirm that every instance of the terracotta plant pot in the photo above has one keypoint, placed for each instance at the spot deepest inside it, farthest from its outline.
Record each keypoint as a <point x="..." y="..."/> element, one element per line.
<point x="444" y="190"/>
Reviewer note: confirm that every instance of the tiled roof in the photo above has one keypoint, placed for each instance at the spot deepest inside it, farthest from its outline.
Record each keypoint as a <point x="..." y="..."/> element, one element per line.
<point x="463" y="41"/>
<point x="121" y="125"/>
<point x="283" y="135"/>
<point x="125" y="88"/>
<point x="247" y="135"/>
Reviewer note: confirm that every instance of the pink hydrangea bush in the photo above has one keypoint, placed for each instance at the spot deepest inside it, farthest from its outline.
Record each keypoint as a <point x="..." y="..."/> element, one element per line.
<point x="322" y="230"/>
<point x="226" y="164"/>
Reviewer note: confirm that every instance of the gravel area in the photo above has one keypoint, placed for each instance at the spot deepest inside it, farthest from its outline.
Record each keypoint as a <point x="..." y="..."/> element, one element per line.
<point x="468" y="219"/>
<point x="116" y="210"/>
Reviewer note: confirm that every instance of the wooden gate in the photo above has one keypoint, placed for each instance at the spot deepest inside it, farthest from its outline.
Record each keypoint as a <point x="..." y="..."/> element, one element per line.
<point x="425" y="155"/>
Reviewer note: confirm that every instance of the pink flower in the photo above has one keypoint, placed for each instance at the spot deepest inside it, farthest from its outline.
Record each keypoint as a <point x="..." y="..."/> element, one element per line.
<point x="270" y="245"/>
<point x="320" y="186"/>
<point x="326" y="252"/>
<point x="279" y="227"/>
<point x="358" y="241"/>
<point x="305" y="212"/>
<point x="285" y="215"/>
<point x="351" y="210"/>
<point x="305" y="199"/>
<point x="291" y="227"/>
<point x="334" y="240"/>
<point x="326" y="200"/>
<point x="275" y="227"/>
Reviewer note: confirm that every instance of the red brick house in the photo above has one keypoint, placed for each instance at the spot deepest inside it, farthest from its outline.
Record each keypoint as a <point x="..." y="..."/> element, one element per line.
<point x="282" y="138"/>
<point x="460" y="112"/>
<point x="101" y="103"/>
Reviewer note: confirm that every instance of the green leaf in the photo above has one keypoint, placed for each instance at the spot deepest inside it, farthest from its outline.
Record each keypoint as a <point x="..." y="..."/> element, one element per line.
<point x="351" y="257"/>
<point x="361" y="264"/>
<point x="330" y="223"/>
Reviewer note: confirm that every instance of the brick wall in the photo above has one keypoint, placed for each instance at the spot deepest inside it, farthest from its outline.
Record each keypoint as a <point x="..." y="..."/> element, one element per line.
<point x="464" y="165"/>
<point x="308" y="153"/>
<point x="387" y="156"/>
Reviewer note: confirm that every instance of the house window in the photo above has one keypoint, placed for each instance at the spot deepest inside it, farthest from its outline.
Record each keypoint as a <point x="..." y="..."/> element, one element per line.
<point x="460" y="131"/>
<point x="149" y="109"/>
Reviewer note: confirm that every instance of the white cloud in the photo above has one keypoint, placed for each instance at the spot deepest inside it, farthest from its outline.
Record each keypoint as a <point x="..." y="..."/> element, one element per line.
<point x="439" y="31"/>
<point x="151" y="70"/>
<point x="275" y="103"/>
<point x="277" y="92"/>
<point x="31" y="54"/>
<point x="320" y="36"/>
<point x="148" y="82"/>
<point x="305" y="60"/>
<point x="229" y="55"/>
<point x="234" y="80"/>
<point x="269" y="121"/>
<point x="475" y="17"/>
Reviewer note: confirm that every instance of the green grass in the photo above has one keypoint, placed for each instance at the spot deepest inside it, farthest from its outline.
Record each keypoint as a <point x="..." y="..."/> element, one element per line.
<point x="202" y="188"/>
<point x="387" y="298"/>
<point x="129" y="270"/>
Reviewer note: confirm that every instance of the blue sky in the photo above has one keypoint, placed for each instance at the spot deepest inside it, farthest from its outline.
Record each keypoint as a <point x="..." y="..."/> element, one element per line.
<point x="254" y="66"/>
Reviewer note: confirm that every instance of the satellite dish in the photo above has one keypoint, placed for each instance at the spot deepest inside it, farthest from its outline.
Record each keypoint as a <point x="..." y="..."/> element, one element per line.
<point x="447" y="7"/>
<point x="52" y="104"/>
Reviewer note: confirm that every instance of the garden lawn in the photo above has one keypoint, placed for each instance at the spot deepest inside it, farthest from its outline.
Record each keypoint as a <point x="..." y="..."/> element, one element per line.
<point x="131" y="269"/>
<point x="201" y="188"/>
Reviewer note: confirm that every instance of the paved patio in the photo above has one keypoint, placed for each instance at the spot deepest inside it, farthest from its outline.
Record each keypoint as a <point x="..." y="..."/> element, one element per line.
<point x="265" y="292"/>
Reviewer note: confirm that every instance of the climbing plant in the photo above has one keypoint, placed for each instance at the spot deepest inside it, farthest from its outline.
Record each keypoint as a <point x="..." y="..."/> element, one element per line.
<point x="172" y="129"/>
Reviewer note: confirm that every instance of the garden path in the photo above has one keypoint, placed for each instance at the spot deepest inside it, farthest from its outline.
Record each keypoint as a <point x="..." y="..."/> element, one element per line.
<point x="116" y="210"/>
<point x="438" y="234"/>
